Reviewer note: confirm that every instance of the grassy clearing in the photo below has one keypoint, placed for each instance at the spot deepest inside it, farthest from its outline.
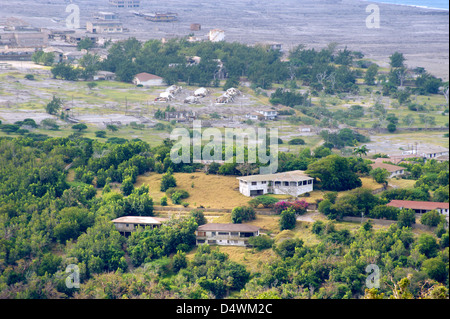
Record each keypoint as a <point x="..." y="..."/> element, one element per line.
<point x="209" y="191"/>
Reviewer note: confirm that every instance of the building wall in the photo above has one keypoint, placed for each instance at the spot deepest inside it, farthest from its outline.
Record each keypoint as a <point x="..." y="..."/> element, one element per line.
<point x="154" y="82"/>
<point x="225" y="238"/>
<point x="246" y="189"/>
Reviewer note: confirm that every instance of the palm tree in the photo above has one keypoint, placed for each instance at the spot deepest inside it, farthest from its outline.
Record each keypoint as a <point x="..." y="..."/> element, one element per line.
<point x="361" y="150"/>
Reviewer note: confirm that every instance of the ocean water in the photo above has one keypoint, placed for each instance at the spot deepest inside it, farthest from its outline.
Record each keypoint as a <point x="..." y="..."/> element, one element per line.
<point x="437" y="4"/>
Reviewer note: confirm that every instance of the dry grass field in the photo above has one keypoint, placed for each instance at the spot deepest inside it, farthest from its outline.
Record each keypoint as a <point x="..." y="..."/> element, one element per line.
<point x="209" y="191"/>
<point x="219" y="192"/>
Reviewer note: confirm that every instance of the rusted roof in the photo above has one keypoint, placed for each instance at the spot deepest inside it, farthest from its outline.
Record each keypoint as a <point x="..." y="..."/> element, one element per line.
<point x="228" y="227"/>
<point x="389" y="167"/>
<point x="410" y="204"/>
<point x="147" y="76"/>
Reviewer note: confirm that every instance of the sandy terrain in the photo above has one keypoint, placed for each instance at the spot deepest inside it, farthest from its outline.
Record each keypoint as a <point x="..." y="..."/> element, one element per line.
<point x="421" y="34"/>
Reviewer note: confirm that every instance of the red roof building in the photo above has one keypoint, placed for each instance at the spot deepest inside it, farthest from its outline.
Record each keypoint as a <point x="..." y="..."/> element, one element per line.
<point x="421" y="207"/>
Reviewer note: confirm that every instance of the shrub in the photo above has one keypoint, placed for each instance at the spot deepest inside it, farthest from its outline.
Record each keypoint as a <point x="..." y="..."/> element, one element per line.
<point x="432" y="218"/>
<point x="265" y="200"/>
<point x="242" y="213"/>
<point x="261" y="242"/>
<point x="199" y="216"/>
<point x="163" y="201"/>
<point x="288" y="219"/>
<point x="406" y="218"/>
<point x="296" y="141"/>
<point x="168" y="181"/>
<point x="299" y="206"/>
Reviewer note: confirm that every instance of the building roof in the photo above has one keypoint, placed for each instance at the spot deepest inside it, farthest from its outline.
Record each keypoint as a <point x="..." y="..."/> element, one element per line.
<point x="292" y="176"/>
<point x="147" y="76"/>
<point x="228" y="227"/>
<point x="389" y="167"/>
<point x="142" y="220"/>
<point x="409" y="204"/>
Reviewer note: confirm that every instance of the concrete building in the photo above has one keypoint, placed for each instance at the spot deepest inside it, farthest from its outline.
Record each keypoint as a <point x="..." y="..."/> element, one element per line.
<point x="104" y="76"/>
<point x="180" y="116"/>
<point x="292" y="183"/>
<point x="421" y="207"/>
<point x="196" y="27"/>
<point x="216" y="35"/>
<point x="268" y="114"/>
<point x="106" y="16"/>
<point x="128" y="224"/>
<point x="147" y="79"/>
<point x="225" y="234"/>
<point x="101" y="26"/>
<point x="125" y="3"/>
<point x="393" y="170"/>
<point x="23" y="37"/>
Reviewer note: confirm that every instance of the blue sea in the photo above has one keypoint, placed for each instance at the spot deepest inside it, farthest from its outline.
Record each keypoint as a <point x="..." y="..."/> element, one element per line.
<point x="436" y="4"/>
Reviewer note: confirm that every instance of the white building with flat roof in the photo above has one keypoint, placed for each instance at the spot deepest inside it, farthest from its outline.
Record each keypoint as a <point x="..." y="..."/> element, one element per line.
<point x="225" y="234"/>
<point x="128" y="224"/>
<point x="292" y="183"/>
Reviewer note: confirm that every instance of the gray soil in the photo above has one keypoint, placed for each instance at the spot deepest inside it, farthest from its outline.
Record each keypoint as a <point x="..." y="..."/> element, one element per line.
<point x="421" y="34"/>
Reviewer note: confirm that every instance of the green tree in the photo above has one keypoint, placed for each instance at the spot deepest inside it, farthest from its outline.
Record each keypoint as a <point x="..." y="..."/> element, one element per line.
<point x="380" y="175"/>
<point x="168" y="181"/>
<point x="436" y="269"/>
<point x="80" y="127"/>
<point x="85" y="44"/>
<point x="427" y="245"/>
<point x="288" y="219"/>
<point x="54" y="105"/>
<point x="397" y="60"/>
<point x="127" y="186"/>
<point x="432" y="218"/>
<point x="242" y="214"/>
<point x="371" y="74"/>
<point x="334" y="173"/>
<point x="406" y="218"/>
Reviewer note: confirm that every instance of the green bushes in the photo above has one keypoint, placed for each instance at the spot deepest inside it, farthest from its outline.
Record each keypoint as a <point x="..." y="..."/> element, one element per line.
<point x="242" y="214"/>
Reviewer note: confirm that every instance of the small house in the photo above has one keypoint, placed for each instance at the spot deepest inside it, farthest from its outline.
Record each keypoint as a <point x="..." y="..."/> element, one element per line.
<point x="393" y="170"/>
<point x="421" y="207"/>
<point x="104" y="76"/>
<point x="292" y="183"/>
<point x="225" y="234"/>
<point x="147" y="79"/>
<point x="268" y="114"/>
<point x="128" y="224"/>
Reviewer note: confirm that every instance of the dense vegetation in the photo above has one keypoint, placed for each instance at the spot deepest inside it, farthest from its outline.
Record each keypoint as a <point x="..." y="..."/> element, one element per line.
<point x="48" y="223"/>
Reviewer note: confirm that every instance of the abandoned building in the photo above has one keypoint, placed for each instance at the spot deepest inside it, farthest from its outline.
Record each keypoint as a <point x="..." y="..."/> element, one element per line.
<point x="225" y="234"/>
<point x="181" y="116"/>
<point x="147" y="79"/>
<point x="292" y="183"/>
<point x="125" y="3"/>
<point x="103" y="26"/>
<point x="128" y="224"/>
<point x="23" y="37"/>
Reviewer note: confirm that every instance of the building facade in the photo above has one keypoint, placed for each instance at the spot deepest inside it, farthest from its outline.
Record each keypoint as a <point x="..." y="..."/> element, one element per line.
<point x="128" y="224"/>
<point x="421" y="207"/>
<point x="225" y="234"/>
<point x="292" y="183"/>
<point x="147" y="79"/>
<point x="125" y="3"/>
<point x="393" y="170"/>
